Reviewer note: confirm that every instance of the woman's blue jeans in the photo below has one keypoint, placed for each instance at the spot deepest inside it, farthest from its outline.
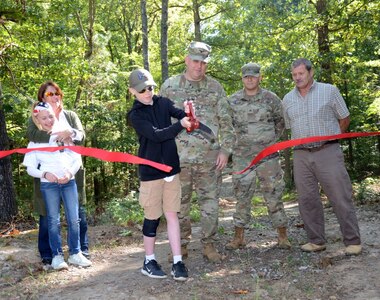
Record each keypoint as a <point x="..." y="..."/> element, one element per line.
<point x="52" y="194"/>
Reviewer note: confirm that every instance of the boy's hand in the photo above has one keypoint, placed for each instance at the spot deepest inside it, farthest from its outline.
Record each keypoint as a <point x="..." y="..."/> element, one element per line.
<point x="185" y="122"/>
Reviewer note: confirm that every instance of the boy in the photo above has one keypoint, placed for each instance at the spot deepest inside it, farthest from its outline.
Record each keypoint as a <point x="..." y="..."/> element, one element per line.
<point x="160" y="192"/>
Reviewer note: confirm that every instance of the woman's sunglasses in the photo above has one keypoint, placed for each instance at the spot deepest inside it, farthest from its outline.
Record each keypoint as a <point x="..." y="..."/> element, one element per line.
<point x="49" y="94"/>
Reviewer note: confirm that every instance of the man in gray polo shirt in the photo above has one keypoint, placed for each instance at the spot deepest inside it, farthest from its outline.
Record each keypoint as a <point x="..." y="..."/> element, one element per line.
<point x="316" y="109"/>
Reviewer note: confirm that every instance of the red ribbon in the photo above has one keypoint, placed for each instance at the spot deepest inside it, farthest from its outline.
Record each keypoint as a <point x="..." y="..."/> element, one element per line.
<point x="96" y="153"/>
<point x="125" y="157"/>
<point x="291" y="143"/>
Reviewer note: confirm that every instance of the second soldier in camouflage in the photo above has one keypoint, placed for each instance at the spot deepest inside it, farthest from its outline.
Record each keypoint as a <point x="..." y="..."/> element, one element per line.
<point x="258" y="123"/>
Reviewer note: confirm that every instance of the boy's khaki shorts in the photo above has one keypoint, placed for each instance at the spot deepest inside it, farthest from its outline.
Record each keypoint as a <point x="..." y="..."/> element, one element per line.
<point x="158" y="196"/>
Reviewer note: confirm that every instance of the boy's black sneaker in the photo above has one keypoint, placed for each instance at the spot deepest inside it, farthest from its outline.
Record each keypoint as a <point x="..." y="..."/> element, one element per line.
<point x="179" y="271"/>
<point x="153" y="269"/>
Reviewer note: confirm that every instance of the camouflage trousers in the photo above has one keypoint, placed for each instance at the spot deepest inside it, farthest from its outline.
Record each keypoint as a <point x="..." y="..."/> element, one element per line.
<point x="201" y="178"/>
<point x="270" y="177"/>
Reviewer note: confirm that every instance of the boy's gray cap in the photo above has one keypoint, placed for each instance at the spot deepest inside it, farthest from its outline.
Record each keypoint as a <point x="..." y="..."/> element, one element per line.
<point x="250" y="69"/>
<point x="139" y="79"/>
<point x="199" y="51"/>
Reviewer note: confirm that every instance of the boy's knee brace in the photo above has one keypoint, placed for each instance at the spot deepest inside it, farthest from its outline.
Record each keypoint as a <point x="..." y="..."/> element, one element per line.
<point x="150" y="227"/>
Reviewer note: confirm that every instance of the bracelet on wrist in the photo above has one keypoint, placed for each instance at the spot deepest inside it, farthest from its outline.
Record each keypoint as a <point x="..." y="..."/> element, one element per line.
<point x="44" y="175"/>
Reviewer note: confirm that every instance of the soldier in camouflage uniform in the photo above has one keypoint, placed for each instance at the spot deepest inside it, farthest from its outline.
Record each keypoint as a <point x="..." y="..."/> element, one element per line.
<point x="203" y="153"/>
<point x="258" y="123"/>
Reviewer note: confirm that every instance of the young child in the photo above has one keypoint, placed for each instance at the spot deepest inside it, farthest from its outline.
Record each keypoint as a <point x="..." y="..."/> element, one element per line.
<point x="160" y="192"/>
<point x="56" y="171"/>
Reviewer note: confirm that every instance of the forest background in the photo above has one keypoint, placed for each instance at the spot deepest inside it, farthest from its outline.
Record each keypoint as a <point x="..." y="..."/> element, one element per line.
<point x="89" y="48"/>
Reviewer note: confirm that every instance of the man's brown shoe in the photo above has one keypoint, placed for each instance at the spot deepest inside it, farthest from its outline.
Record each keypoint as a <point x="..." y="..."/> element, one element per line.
<point x="353" y="249"/>
<point x="211" y="253"/>
<point x="310" y="247"/>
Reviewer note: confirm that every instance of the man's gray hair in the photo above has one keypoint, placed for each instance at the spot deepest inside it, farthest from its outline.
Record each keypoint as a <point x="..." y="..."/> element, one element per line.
<point x="302" y="61"/>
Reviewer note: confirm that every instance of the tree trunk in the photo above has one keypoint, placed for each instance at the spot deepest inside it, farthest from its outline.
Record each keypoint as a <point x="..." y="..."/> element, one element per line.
<point x="144" y="28"/>
<point x="197" y="21"/>
<point x="323" y="41"/>
<point x="8" y="208"/>
<point x="164" y="41"/>
<point x="89" y="38"/>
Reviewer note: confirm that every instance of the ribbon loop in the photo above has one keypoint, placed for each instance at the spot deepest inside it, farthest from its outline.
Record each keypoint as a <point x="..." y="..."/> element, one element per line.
<point x="291" y="143"/>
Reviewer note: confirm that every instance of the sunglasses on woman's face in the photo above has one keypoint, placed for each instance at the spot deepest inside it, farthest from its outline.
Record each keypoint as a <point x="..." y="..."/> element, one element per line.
<point x="148" y="88"/>
<point x="49" y="94"/>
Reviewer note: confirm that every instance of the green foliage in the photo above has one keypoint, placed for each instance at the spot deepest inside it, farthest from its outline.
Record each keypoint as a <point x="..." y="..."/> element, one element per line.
<point x="258" y="207"/>
<point x="289" y="196"/>
<point x="367" y="191"/>
<point x="195" y="212"/>
<point x="53" y="40"/>
<point x="124" y="211"/>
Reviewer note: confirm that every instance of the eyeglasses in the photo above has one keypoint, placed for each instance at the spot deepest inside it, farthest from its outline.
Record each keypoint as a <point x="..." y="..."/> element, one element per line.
<point x="49" y="94"/>
<point x="148" y="88"/>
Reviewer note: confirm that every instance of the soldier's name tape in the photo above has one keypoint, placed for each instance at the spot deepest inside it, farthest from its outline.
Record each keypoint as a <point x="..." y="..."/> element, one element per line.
<point x="129" y="158"/>
<point x="292" y="143"/>
<point x="96" y="153"/>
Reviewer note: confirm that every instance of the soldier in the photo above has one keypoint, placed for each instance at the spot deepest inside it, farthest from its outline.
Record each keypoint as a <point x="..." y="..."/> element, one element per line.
<point x="203" y="152"/>
<point x="258" y="123"/>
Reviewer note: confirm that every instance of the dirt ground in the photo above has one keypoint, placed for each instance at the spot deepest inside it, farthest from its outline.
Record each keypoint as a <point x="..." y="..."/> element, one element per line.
<point x="260" y="271"/>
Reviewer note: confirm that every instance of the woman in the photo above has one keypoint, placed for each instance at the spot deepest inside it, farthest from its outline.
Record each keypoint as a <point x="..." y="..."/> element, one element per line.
<point x="71" y="128"/>
<point x="56" y="171"/>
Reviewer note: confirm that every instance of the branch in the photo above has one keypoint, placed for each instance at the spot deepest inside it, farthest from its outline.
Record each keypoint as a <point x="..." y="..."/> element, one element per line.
<point x="81" y="26"/>
<point x="2" y="22"/>
<point x="6" y="47"/>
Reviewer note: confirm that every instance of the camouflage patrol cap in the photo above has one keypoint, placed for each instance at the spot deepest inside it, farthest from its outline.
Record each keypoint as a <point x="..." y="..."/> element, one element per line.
<point x="139" y="79"/>
<point x="250" y="69"/>
<point x="199" y="51"/>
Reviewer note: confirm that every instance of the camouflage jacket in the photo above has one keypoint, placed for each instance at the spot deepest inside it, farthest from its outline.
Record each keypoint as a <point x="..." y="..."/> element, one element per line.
<point x="211" y="109"/>
<point x="258" y="121"/>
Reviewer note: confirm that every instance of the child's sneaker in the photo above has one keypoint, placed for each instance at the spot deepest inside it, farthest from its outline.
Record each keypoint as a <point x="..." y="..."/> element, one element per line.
<point x="179" y="271"/>
<point x="153" y="269"/>
<point x="58" y="263"/>
<point x="79" y="260"/>
<point x="86" y="254"/>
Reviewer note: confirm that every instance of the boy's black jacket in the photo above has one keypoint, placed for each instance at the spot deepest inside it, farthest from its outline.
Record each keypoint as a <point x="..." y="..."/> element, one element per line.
<point x="156" y="134"/>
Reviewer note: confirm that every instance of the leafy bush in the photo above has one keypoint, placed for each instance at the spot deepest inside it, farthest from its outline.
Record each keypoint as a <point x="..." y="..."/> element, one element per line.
<point x="124" y="211"/>
<point x="367" y="191"/>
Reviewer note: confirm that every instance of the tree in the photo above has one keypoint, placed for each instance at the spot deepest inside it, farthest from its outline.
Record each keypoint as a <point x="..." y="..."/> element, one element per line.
<point x="8" y="207"/>
<point x="91" y="55"/>
<point x="144" y="30"/>
<point x="164" y="41"/>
